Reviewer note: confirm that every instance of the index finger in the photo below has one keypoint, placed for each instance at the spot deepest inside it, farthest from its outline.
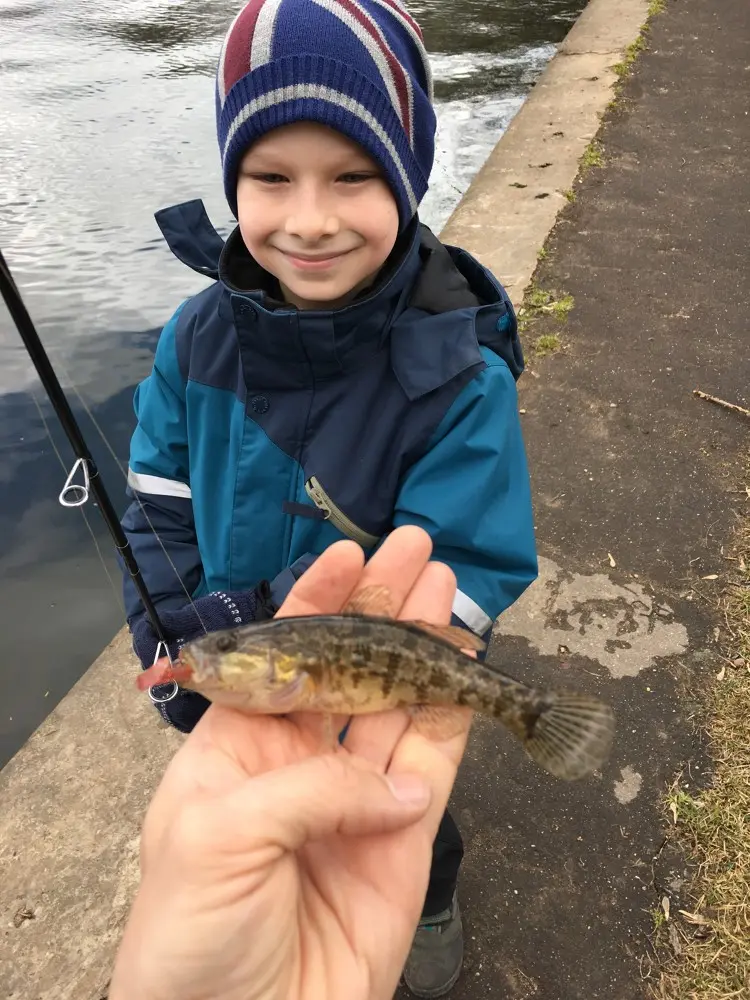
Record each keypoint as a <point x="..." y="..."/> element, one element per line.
<point x="392" y="572"/>
<point x="326" y="586"/>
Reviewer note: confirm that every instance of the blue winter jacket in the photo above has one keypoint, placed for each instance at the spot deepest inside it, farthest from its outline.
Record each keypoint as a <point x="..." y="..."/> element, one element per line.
<point x="265" y="433"/>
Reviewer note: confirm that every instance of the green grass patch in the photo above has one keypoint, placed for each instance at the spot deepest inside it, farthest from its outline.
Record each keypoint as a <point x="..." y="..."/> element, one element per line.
<point x="540" y="300"/>
<point x="712" y="960"/>
<point x="593" y="155"/>
<point x="543" y="302"/>
<point x="631" y="54"/>
<point x="548" y="343"/>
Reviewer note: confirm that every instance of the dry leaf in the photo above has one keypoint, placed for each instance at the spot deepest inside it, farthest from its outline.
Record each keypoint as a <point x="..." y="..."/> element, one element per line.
<point x="673" y="808"/>
<point x="743" y="565"/>
<point x="720" y="675"/>
<point x="665" y="906"/>
<point x="694" y="918"/>
<point x="612" y="562"/>
<point x="674" y="940"/>
<point x="711" y="576"/>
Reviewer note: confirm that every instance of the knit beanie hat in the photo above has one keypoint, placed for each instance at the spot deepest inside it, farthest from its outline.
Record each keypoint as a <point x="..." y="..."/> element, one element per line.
<point x="358" y="66"/>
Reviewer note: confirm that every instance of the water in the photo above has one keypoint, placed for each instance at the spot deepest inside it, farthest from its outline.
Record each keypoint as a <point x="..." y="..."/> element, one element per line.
<point x="108" y="116"/>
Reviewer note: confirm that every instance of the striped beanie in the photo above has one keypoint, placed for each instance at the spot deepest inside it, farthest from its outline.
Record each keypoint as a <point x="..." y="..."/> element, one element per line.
<point x="358" y="66"/>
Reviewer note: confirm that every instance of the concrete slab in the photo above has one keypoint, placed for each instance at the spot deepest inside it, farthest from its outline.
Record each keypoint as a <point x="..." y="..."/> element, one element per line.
<point x="506" y="215"/>
<point x="71" y="805"/>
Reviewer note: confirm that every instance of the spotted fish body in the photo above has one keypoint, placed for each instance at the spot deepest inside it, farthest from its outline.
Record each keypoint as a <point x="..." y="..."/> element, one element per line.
<point x="355" y="664"/>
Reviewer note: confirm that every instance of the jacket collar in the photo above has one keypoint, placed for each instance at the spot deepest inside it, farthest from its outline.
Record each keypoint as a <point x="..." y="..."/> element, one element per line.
<point x="283" y="346"/>
<point x="442" y="289"/>
<point x="311" y="344"/>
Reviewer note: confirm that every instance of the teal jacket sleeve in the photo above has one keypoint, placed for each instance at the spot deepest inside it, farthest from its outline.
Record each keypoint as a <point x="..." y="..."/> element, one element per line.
<point x="159" y="522"/>
<point x="471" y="492"/>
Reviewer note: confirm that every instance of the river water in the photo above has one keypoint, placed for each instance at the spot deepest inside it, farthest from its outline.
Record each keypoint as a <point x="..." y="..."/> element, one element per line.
<point x="107" y="115"/>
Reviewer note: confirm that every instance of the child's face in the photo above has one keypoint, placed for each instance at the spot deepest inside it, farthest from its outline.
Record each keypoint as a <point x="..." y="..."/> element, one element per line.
<point x="315" y="210"/>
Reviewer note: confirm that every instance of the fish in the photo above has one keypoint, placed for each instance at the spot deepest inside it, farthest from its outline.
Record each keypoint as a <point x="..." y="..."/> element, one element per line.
<point x="354" y="664"/>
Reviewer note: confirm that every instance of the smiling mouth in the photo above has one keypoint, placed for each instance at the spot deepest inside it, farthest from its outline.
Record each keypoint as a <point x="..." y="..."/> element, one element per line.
<point x="315" y="256"/>
<point x="313" y="261"/>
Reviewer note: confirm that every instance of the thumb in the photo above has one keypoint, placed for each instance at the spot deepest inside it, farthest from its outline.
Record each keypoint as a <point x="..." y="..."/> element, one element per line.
<point x="324" y="795"/>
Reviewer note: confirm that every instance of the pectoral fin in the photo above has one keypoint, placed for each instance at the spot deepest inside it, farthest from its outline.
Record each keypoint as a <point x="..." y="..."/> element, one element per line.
<point x="373" y="600"/>
<point x="438" y="723"/>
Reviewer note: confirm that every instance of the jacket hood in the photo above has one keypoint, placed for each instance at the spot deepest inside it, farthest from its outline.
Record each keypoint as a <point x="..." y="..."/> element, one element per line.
<point x="427" y="295"/>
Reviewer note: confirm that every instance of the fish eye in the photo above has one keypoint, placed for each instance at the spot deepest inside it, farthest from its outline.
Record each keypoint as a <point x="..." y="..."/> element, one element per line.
<point x="226" y="643"/>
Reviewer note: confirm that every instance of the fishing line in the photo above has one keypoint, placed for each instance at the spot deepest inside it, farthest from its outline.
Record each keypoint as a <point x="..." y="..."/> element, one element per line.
<point x="140" y="503"/>
<point x="61" y="460"/>
<point x="72" y="494"/>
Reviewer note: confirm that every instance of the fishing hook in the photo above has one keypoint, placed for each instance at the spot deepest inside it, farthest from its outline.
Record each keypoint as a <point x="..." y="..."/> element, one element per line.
<point x="175" y="686"/>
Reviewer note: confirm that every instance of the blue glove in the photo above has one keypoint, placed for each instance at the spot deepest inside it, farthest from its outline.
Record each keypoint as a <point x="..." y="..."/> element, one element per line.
<point x="211" y="613"/>
<point x="216" y="611"/>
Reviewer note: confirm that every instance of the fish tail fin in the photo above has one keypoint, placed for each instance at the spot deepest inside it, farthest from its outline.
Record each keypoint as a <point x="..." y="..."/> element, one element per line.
<point x="163" y="672"/>
<point x="572" y="736"/>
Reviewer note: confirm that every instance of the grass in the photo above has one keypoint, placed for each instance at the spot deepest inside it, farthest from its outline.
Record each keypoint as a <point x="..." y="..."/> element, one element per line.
<point x="631" y="54"/>
<point x="548" y="343"/>
<point x="622" y="68"/>
<point x="592" y="155"/>
<point x="537" y="300"/>
<point x="540" y="301"/>
<point x="713" y="827"/>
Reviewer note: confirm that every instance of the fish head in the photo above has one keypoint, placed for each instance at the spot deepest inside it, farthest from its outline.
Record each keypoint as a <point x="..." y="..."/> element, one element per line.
<point x="231" y="668"/>
<point x="215" y="657"/>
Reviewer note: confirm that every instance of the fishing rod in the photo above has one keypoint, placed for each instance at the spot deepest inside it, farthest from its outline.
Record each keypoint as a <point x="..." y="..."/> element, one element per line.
<point x="74" y="494"/>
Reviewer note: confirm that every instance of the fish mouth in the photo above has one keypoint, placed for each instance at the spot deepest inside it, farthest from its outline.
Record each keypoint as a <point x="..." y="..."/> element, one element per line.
<point x="164" y="672"/>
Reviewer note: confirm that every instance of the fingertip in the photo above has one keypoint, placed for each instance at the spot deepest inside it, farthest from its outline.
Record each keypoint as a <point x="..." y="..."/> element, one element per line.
<point x="431" y="598"/>
<point x="442" y="574"/>
<point x="411" y="537"/>
<point x="344" y="551"/>
<point x="327" y="584"/>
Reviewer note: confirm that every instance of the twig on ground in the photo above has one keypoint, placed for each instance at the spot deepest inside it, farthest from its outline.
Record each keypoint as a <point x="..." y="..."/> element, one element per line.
<point x="722" y="402"/>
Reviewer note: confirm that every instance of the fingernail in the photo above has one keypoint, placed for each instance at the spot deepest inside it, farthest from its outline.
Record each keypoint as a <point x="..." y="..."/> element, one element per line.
<point x="409" y="788"/>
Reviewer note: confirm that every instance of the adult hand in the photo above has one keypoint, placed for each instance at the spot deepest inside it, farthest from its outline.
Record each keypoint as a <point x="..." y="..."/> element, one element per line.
<point x="274" y="868"/>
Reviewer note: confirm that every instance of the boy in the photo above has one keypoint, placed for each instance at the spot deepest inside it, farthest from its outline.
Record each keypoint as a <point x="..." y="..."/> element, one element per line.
<point x="346" y="373"/>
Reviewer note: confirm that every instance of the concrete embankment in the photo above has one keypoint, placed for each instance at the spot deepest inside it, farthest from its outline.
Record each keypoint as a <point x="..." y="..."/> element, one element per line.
<point x="73" y="798"/>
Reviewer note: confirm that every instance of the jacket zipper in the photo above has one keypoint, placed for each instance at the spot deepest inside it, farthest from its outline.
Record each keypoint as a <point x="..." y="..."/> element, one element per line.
<point x="337" y="517"/>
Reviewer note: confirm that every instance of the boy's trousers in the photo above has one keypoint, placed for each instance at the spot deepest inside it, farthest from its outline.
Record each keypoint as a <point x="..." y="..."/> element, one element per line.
<point x="447" y="853"/>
